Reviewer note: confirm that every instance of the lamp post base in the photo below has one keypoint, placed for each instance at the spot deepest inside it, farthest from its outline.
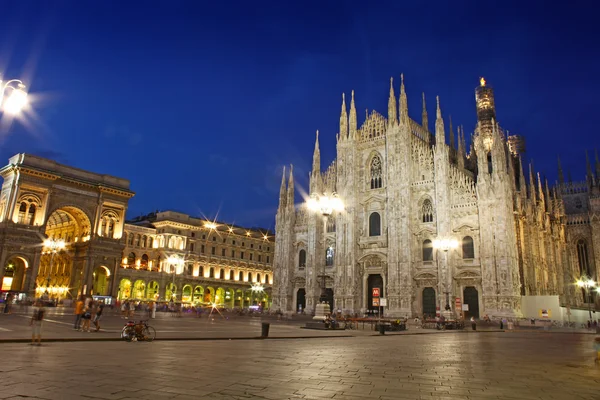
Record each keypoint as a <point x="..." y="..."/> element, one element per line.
<point x="321" y="310"/>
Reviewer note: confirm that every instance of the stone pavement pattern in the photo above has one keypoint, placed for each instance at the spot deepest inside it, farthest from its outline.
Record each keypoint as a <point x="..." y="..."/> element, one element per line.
<point x="444" y="366"/>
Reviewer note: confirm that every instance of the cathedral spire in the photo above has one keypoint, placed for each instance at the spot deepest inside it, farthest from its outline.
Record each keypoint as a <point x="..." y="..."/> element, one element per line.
<point x="290" y="189"/>
<point x="561" y="176"/>
<point x="460" y="156"/>
<point x="452" y="145"/>
<point x="440" y="135"/>
<point x="424" y="119"/>
<point x="392" y="110"/>
<point x="282" y="191"/>
<point x="590" y="174"/>
<point x="540" y="189"/>
<point x="547" y="194"/>
<point x="343" y="120"/>
<point x="403" y="103"/>
<point x="522" y="183"/>
<point x="316" y="166"/>
<point x="532" y="191"/>
<point x="352" y="121"/>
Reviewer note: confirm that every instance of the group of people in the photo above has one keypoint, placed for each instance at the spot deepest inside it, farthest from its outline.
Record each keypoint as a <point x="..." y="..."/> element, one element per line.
<point x="87" y="311"/>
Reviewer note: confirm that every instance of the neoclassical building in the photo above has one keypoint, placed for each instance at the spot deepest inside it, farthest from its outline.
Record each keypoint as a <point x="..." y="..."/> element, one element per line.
<point x="173" y="255"/>
<point x="160" y="256"/>
<point x="410" y="192"/>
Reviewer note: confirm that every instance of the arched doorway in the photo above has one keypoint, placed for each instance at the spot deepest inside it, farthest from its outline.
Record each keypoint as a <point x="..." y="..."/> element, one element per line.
<point x="55" y="273"/>
<point x="171" y="292"/>
<point x="198" y="294"/>
<point x="301" y="300"/>
<point x="374" y="281"/>
<point x="139" y="290"/>
<point x="429" y="307"/>
<point x="100" y="282"/>
<point x="186" y="294"/>
<point x="152" y="293"/>
<point x="229" y="295"/>
<point x="239" y="299"/>
<point x="209" y="295"/>
<point x="329" y="295"/>
<point x="14" y="274"/>
<point x="220" y="297"/>
<point x="124" y="289"/>
<point x="471" y="297"/>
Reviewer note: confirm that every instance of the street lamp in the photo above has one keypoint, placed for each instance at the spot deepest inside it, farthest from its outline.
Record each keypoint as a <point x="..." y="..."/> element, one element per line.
<point x="175" y="261"/>
<point x="17" y="96"/>
<point x="53" y="246"/>
<point x="588" y="284"/>
<point x="445" y="244"/>
<point x="325" y="205"/>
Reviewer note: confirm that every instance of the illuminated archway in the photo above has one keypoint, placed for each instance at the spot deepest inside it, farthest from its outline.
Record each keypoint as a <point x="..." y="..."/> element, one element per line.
<point x="14" y="274"/>
<point x="139" y="290"/>
<point x="229" y="298"/>
<point x="124" y="289"/>
<point x="220" y="296"/>
<point x="239" y="298"/>
<point x="198" y="296"/>
<point x="152" y="291"/>
<point x="100" y="283"/>
<point x="209" y="295"/>
<point x="186" y="294"/>
<point x="170" y="293"/>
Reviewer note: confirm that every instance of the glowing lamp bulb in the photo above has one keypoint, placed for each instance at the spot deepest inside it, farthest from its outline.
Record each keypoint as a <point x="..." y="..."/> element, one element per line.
<point x="16" y="101"/>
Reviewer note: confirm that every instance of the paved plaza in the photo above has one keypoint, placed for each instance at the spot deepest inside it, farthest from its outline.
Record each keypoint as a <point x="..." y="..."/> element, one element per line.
<point x="438" y="366"/>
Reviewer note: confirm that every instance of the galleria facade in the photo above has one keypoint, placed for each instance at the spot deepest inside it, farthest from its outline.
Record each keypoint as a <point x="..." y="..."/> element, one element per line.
<point x="160" y="256"/>
<point x="409" y="195"/>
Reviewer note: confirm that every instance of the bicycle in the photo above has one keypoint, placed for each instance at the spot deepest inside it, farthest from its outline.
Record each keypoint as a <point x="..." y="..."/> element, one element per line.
<point x="133" y="331"/>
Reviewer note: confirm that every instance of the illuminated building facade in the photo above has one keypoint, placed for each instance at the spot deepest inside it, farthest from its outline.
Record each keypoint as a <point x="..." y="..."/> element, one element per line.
<point x="173" y="255"/>
<point x="406" y="190"/>
<point x="63" y="232"/>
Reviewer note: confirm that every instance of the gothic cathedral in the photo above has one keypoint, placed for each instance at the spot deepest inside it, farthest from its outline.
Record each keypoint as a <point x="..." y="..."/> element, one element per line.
<point x="432" y="225"/>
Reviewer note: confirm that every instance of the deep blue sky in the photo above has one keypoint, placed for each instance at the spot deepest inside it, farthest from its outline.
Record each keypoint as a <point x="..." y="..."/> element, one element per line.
<point x="200" y="104"/>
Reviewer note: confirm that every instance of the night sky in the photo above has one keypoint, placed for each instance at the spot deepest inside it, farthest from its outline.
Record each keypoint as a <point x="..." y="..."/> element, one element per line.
<point x="200" y="104"/>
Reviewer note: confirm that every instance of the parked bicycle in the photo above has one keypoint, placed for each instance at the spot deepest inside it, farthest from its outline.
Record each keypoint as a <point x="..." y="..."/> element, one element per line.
<point x="139" y="331"/>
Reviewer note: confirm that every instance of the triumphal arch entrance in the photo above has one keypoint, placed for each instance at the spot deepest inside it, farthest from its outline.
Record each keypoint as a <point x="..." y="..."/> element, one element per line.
<point x="60" y="228"/>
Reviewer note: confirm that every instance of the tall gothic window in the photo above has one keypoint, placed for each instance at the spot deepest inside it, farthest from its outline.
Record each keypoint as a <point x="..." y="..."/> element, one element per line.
<point x="427" y="211"/>
<point x="302" y="259"/>
<point x="489" y="162"/>
<point x="376" y="173"/>
<point x="329" y="257"/>
<point x="468" y="249"/>
<point x="427" y="250"/>
<point x="582" y="257"/>
<point x="374" y="224"/>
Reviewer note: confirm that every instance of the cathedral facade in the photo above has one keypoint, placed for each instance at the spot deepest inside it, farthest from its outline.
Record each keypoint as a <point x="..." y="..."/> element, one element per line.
<point x="431" y="224"/>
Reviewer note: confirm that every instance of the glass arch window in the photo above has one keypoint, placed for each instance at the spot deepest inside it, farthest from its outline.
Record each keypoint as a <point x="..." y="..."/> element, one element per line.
<point x="302" y="259"/>
<point x="468" y="249"/>
<point x="376" y="173"/>
<point x="329" y="255"/>
<point x="374" y="224"/>
<point x="427" y="211"/>
<point x="427" y="250"/>
<point x="582" y="258"/>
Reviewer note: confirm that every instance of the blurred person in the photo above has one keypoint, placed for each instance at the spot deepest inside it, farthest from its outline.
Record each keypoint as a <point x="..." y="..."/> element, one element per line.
<point x="78" y="311"/>
<point x="37" y="318"/>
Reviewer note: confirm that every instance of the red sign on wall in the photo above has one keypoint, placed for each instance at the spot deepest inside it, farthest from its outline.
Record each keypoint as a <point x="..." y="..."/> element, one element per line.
<point x="376" y="292"/>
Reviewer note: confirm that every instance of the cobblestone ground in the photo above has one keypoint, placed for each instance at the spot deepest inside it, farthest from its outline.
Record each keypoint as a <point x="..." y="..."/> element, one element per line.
<point x="444" y="366"/>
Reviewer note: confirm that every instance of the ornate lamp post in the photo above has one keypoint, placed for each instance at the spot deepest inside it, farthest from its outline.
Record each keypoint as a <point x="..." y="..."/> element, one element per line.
<point x="53" y="246"/>
<point x="175" y="261"/>
<point x="17" y="96"/>
<point x="587" y="284"/>
<point x="444" y="244"/>
<point x="325" y="205"/>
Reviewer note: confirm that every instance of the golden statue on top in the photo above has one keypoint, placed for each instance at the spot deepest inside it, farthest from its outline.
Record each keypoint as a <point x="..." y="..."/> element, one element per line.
<point x="482" y="81"/>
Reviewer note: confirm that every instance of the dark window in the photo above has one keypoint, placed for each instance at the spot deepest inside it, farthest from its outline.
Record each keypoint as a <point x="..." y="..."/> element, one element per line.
<point x="224" y="240"/>
<point x="259" y="258"/>
<point x="267" y="259"/>
<point x="582" y="258"/>
<point x="251" y="245"/>
<point x="251" y="256"/>
<point x="230" y="275"/>
<point x="214" y="238"/>
<point x="374" y="224"/>
<point x="329" y="253"/>
<point x="203" y="236"/>
<point x="222" y="274"/>
<point x="301" y="259"/>
<point x="267" y="278"/>
<point x="268" y="249"/>
<point x="213" y="251"/>
<point x="376" y="173"/>
<point x="223" y="252"/>
<point x="211" y="273"/>
<point x="191" y="246"/>
<point x="201" y="271"/>
<point x="202" y="248"/>
<point x="427" y="250"/>
<point x="489" y="162"/>
<point x="242" y="255"/>
<point x="241" y="276"/>
<point x="193" y="234"/>
<point x="243" y="244"/>
<point x="427" y="211"/>
<point x="234" y="242"/>
<point x="249" y="276"/>
<point x="232" y="253"/>
<point x="468" y="249"/>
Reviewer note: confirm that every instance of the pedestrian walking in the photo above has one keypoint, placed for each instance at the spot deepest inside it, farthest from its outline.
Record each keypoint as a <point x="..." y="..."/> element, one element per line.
<point x="78" y="313"/>
<point x="473" y="323"/>
<point x="98" y="315"/>
<point x="87" y="317"/>
<point x="7" y="303"/>
<point x="37" y="318"/>
<point x="153" y="309"/>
